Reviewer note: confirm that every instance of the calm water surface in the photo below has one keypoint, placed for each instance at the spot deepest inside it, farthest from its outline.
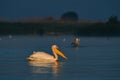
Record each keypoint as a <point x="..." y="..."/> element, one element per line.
<point x="97" y="58"/>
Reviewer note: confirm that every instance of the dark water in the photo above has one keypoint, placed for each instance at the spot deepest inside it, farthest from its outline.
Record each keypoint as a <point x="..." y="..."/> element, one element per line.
<point x="98" y="58"/>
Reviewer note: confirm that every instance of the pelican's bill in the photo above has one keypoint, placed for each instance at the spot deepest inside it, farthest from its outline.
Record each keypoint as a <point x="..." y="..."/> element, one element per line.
<point x="60" y="53"/>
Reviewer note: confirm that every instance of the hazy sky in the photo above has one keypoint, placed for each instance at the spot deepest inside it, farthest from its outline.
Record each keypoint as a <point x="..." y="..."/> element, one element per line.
<point x="86" y="9"/>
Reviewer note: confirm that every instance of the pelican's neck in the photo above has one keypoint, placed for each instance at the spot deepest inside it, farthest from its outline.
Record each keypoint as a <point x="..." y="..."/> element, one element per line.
<point x="55" y="55"/>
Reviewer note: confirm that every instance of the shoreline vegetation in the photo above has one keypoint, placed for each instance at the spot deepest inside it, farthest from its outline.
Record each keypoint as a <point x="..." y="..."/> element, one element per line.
<point x="60" y="27"/>
<point x="69" y="23"/>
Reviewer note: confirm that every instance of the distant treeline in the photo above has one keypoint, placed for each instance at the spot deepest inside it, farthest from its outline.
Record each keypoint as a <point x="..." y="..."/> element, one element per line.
<point x="58" y="28"/>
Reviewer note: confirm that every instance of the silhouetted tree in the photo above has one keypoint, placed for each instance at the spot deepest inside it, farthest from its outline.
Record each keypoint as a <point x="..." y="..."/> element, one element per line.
<point x="113" y="19"/>
<point x="70" y="16"/>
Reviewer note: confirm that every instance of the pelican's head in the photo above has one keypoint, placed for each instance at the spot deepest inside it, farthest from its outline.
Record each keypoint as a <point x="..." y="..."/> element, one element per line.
<point x="54" y="46"/>
<point x="57" y="51"/>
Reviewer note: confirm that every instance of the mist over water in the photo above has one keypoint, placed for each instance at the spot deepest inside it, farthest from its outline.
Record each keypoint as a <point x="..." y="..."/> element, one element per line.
<point x="97" y="58"/>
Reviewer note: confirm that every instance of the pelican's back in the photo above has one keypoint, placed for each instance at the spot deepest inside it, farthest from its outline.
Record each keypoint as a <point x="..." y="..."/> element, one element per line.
<point x="41" y="56"/>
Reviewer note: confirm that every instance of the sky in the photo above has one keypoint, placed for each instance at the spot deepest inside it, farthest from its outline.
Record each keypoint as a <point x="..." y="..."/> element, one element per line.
<point x="86" y="9"/>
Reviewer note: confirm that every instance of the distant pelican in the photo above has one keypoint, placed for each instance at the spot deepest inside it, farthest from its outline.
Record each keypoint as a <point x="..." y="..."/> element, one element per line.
<point x="75" y="43"/>
<point x="45" y="57"/>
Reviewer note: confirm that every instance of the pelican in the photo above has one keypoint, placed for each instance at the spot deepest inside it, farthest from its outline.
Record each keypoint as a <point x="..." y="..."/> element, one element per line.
<point x="45" y="57"/>
<point x="75" y="43"/>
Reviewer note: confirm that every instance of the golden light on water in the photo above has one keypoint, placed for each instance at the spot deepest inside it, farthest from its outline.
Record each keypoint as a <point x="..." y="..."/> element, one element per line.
<point x="40" y="67"/>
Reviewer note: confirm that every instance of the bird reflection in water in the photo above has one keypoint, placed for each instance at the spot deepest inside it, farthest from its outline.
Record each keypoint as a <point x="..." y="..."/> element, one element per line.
<point x="45" y="67"/>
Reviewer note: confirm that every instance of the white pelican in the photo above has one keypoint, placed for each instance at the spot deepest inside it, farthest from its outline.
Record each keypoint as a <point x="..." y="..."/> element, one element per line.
<point x="45" y="57"/>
